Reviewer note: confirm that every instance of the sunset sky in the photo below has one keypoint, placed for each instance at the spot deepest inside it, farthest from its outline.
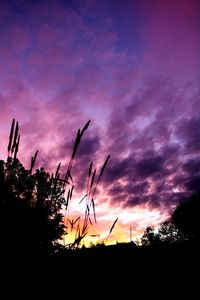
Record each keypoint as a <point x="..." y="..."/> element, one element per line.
<point x="130" y="66"/>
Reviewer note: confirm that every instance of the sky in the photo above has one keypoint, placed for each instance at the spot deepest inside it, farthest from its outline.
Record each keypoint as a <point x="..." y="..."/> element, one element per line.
<point x="131" y="67"/>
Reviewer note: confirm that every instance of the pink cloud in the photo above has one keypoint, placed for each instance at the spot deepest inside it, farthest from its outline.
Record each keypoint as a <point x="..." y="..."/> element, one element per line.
<point x="62" y="65"/>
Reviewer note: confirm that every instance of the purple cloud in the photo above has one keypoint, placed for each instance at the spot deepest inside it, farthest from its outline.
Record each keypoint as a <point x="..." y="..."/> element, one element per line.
<point x="133" y="69"/>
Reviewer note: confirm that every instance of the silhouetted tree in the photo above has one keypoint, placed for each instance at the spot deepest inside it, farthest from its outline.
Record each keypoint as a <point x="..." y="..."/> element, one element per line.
<point x="30" y="218"/>
<point x="186" y="217"/>
<point x="150" y="237"/>
<point x="166" y="233"/>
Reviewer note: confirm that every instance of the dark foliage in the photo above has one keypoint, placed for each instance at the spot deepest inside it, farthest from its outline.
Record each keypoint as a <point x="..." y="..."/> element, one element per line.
<point x="184" y="225"/>
<point x="149" y="237"/>
<point x="186" y="217"/>
<point x="167" y="233"/>
<point x="30" y="218"/>
<point x="31" y="202"/>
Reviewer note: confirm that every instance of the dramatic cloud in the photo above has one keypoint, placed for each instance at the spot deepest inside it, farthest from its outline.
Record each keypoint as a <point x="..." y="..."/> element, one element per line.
<point x="133" y="69"/>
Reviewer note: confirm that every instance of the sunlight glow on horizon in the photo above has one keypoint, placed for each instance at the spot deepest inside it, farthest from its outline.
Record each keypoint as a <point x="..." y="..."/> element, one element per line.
<point x="138" y="219"/>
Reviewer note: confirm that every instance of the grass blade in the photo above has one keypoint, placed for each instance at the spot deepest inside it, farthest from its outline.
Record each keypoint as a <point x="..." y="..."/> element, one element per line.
<point x="103" y="168"/>
<point x="16" y="147"/>
<point x="93" y="176"/>
<point x="15" y="138"/>
<point x="82" y="199"/>
<point x="113" y="225"/>
<point x="100" y="175"/>
<point x="90" y="169"/>
<point x="57" y="170"/>
<point x="93" y="206"/>
<point x="85" y="128"/>
<point x="11" y="135"/>
<point x="34" y="158"/>
<point x="77" y="142"/>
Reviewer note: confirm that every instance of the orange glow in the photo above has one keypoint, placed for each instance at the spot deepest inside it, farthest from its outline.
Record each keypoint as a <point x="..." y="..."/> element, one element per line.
<point x="130" y="225"/>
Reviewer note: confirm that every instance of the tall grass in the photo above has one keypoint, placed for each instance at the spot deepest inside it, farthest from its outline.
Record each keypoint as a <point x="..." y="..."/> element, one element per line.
<point x="111" y="229"/>
<point x="79" y="226"/>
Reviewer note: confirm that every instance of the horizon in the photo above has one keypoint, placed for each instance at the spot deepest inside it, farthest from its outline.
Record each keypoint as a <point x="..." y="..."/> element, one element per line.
<point x="133" y="69"/>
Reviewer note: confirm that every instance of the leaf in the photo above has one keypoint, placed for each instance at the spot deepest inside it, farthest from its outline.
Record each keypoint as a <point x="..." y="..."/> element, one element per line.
<point x="82" y="198"/>
<point x="71" y="223"/>
<point x="93" y="176"/>
<point x="70" y="176"/>
<point x="16" y="147"/>
<point x="34" y="158"/>
<point x="71" y="191"/>
<point x="90" y="220"/>
<point x="67" y="202"/>
<point x="113" y="225"/>
<point x="15" y="137"/>
<point x="31" y="164"/>
<point x="78" y="138"/>
<point x="11" y="135"/>
<point x="101" y="173"/>
<point x="90" y="169"/>
<point x="103" y="168"/>
<point x="93" y="206"/>
<point x="57" y="170"/>
<point x="77" y="142"/>
<point x="76" y="220"/>
<point x="85" y="127"/>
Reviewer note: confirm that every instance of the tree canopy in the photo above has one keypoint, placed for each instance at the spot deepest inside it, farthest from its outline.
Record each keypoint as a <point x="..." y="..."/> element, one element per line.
<point x="30" y="204"/>
<point x="186" y="217"/>
<point x="184" y="224"/>
<point x="166" y="233"/>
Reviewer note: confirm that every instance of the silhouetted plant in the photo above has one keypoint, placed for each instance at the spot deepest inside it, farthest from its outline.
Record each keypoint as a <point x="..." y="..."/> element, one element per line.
<point x="150" y="237"/>
<point x="82" y="227"/>
<point x="30" y="218"/>
<point x="31" y="202"/>
<point x="111" y="229"/>
<point x="186" y="217"/>
<point x="166" y="233"/>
